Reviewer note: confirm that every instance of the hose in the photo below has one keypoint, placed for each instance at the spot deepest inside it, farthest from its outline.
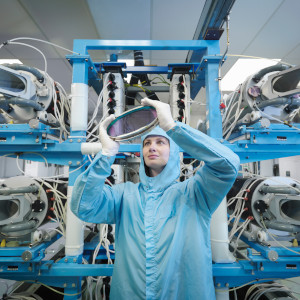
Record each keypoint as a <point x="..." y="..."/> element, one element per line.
<point x="21" y="102"/>
<point x="282" y="226"/>
<point x="19" y="190"/>
<point x="31" y="70"/>
<point x="259" y="75"/>
<point x="19" y="226"/>
<point x="278" y="101"/>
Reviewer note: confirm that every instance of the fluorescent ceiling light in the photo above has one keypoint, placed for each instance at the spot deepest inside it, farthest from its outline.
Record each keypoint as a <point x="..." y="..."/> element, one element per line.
<point x="10" y="61"/>
<point x="243" y="68"/>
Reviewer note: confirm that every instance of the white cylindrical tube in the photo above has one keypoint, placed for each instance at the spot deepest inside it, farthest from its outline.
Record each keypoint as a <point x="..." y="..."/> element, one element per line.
<point x="74" y="231"/>
<point x="219" y="235"/>
<point x="90" y="148"/>
<point x="222" y="294"/>
<point x="79" y="106"/>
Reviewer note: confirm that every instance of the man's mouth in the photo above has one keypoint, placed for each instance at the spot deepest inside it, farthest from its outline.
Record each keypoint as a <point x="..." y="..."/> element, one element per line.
<point x="152" y="156"/>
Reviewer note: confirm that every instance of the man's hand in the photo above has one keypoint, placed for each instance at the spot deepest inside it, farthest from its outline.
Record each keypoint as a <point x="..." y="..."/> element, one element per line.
<point x="109" y="147"/>
<point x="163" y="110"/>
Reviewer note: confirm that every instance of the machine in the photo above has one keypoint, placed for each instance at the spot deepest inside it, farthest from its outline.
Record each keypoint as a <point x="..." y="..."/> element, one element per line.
<point x="28" y="95"/>
<point x="272" y="95"/>
<point x="270" y="205"/>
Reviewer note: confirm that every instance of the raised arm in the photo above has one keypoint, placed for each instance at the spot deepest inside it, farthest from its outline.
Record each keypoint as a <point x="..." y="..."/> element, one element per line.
<point x="92" y="200"/>
<point x="212" y="181"/>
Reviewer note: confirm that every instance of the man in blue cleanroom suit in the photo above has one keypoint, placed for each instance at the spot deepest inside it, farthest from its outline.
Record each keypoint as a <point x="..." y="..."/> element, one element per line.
<point x="162" y="236"/>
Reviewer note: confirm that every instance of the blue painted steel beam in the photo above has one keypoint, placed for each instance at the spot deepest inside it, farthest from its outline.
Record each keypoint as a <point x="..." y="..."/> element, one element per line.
<point x="213" y="99"/>
<point x="225" y="275"/>
<point x="213" y="16"/>
<point x="264" y="146"/>
<point x="82" y="46"/>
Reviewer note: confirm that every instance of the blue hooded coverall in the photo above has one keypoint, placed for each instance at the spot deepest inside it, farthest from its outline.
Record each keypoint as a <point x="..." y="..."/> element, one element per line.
<point x="162" y="235"/>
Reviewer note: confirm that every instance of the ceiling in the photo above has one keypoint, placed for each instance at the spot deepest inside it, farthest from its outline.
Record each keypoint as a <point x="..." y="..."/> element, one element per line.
<point x="268" y="28"/>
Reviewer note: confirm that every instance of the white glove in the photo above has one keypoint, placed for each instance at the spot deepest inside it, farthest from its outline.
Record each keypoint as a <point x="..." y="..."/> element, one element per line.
<point x="163" y="111"/>
<point x="109" y="147"/>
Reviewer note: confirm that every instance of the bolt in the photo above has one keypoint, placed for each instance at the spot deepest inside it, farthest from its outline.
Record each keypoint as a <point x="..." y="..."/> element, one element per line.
<point x="29" y="269"/>
<point x="74" y="260"/>
<point x="222" y="141"/>
<point x="205" y="60"/>
<point x="218" y="284"/>
<point x="227" y="284"/>
<point x="73" y="284"/>
<point x="65" y="285"/>
<point x="66" y="260"/>
<point x="86" y="59"/>
<point x="262" y="268"/>
<point x="71" y="141"/>
<point x="78" y="163"/>
<point x="69" y="162"/>
<point x="79" y="140"/>
<point x="37" y="140"/>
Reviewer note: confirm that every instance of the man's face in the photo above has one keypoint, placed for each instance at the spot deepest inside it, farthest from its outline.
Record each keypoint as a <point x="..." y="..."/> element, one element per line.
<point x="156" y="151"/>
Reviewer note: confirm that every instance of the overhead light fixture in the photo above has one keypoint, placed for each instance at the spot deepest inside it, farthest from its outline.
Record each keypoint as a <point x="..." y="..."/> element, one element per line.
<point x="243" y="68"/>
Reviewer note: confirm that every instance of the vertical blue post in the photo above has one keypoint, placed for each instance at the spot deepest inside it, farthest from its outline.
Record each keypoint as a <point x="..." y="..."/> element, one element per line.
<point x="213" y="97"/>
<point x="114" y="57"/>
<point x="75" y="291"/>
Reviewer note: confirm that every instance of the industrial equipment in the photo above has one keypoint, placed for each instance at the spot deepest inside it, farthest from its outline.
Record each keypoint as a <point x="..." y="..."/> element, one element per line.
<point x="272" y="95"/>
<point x="276" y="203"/>
<point x="24" y="207"/>
<point x="28" y="95"/>
<point x="262" y="204"/>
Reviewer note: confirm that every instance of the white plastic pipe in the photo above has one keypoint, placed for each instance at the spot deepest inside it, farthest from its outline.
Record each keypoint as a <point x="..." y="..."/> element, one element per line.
<point x="219" y="235"/>
<point x="74" y="230"/>
<point x="222" y="294"/>
<point x="220" y="243"/>
<point x="90" y="148"/>
<point x="79" y="106"/>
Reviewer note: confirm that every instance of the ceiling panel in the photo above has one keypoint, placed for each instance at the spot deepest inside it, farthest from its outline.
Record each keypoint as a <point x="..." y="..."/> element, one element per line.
<point x="247" y="18"/>
<point x="121" y="20"/>
<point x="173" y="20"/>
<point x="281" y="33"/>
<point x="260" y="28"/>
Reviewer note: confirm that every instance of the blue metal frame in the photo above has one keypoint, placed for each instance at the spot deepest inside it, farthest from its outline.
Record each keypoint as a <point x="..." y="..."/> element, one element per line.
<point x="261" y="144"/>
